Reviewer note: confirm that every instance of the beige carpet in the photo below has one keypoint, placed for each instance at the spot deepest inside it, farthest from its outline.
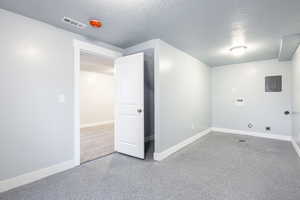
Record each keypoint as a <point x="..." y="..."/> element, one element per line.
<point x="96" y="142"/>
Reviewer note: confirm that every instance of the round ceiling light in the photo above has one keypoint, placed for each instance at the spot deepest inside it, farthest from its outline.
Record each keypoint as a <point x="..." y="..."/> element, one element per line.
<point x="238" y="50"/>
<point x="95" y="23"/>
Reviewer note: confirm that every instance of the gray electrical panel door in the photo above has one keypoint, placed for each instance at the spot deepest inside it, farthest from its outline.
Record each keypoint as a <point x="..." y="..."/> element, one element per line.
<point x="273" y="83"/>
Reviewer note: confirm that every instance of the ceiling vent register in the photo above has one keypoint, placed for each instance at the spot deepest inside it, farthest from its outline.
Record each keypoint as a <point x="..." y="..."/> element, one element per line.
<point x="74" y="23"/>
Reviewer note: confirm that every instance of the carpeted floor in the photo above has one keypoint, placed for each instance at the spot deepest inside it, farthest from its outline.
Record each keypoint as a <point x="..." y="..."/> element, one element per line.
<point x="216" y="167"/>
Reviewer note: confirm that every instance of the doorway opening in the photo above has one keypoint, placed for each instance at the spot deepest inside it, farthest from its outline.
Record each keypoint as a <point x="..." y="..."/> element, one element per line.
<point x="113" y="103"/>
<point x="97" y="90"/>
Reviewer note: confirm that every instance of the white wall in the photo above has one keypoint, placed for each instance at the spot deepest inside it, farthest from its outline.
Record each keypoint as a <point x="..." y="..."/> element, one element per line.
<point x="37" y="64"/>
<point x="184" y="96"/>
<point x="296" y="96"/>
<point x="261" y="109"/>
<point x="96" y="98"/>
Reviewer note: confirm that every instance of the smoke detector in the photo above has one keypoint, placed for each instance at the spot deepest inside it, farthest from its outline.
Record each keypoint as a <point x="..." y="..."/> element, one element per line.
<point x="74" y="23"/>
<point x="95" y="23"/>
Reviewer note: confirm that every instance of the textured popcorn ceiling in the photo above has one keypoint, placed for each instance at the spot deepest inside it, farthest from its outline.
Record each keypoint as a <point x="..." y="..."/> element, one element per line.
<point x="206" y="29"/>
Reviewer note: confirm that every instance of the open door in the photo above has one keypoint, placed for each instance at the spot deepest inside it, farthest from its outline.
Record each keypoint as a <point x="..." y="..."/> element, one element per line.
<point x="129" y="120"/>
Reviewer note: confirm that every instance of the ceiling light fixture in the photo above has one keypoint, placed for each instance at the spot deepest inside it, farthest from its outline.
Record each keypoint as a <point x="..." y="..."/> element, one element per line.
<point x="238" y="50"/>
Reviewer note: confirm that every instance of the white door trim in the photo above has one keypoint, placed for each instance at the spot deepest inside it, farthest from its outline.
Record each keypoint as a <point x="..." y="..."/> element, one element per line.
<point x="94" y="49"/>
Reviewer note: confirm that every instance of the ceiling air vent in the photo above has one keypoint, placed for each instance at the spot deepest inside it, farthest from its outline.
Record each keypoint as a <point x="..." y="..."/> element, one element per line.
<point x="74" y="23"/>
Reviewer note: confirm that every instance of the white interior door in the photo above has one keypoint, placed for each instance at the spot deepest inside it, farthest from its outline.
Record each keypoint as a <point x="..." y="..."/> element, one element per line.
<point x="129" y="123"/>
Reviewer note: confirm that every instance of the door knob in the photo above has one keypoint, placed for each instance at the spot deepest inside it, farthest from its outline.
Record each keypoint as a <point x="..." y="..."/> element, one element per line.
<point x="287" y="112"/>
<point x="139" y="110"/>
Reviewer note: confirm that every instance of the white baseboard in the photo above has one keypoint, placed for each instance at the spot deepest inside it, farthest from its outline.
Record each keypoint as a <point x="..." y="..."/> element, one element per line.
<point x="255" y="134"/>
<point x="96" y="124"/>
<point x="177" y="147"/>
<point x="296" y="147"/>
<point x="11" y="183"/>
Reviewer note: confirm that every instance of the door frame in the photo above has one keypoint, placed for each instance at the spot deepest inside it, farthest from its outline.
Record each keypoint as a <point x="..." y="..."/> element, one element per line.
<point x="93" y="49"/>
